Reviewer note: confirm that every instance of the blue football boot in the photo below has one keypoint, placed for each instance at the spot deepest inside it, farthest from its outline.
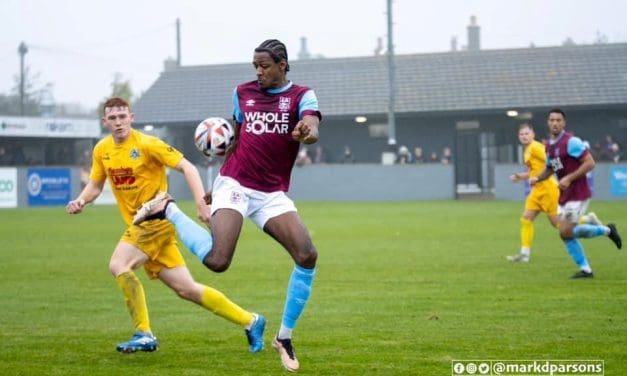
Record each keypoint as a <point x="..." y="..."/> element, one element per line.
<point x="255" y="334"/>
<point x="141" y="341"/>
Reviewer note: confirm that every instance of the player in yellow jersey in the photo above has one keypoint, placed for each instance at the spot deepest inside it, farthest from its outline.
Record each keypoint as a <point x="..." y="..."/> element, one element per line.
<point x="135" y="166"/>
<point x="542" y="198"/>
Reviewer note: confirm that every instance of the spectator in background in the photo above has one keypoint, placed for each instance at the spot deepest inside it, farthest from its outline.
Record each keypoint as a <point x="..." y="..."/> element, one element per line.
<point x="19" y="159"/>
<point x="85" y="163"/>
<point x="302" y="158"/>
<point x="64" y="156"/>
<point x="418" y="155"/>
<point x="320" y="155"/>
<point x="434" y="157"/>
<point x="606" y="151"/>
<point x="85" y="158"/>
<point x="347" y="155"/>
<point x="5" y="158"/>
<point x="403" y="156"/>
<point x="596" y="151"/>
<point x="615" y="152"/>
<point x="85" y="171"/>
<point x="447" y="156"/>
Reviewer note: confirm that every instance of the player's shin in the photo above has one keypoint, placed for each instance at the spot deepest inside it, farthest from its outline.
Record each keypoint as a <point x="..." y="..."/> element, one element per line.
<point x="575" y="250"/>
<point x="526" y="233"/>
<point x="135" y="300"/>
<point x="298" y="291"/>
<point x="219" y="304"/>
<point x="197" y="239"/>
<point x="590" y="231"/>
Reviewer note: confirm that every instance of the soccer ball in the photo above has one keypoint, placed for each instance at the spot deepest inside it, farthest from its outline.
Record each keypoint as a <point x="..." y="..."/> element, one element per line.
<point x="213" y="136"/>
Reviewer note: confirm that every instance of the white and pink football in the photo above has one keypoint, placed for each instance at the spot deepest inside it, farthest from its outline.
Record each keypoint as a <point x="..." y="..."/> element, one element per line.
<point x="213" y="136"/>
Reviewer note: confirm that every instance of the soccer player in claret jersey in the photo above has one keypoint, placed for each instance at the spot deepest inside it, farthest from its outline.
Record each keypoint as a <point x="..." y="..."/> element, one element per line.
<point x="135" y="165"/>
<point x="273" y="117"/>
<point x="570" y="160"/>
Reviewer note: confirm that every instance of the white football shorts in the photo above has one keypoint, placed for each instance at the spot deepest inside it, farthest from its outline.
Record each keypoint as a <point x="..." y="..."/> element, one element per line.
<point x="256" y="205"/>
<point x="573" y="210"/>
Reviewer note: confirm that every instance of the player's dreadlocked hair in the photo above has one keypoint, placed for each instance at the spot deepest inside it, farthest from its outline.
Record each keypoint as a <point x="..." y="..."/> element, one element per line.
<point x="276" y="49"/>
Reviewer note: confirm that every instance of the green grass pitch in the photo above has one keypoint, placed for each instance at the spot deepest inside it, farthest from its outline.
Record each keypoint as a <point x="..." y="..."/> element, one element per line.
<point x="402" y="288"/>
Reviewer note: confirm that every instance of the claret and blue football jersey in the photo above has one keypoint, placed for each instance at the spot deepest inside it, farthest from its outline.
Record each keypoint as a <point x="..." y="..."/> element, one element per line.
<point x="265" y="153"/>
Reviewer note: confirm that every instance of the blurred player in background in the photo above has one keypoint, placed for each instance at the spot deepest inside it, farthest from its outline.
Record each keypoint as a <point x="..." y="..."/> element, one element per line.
<point x="273" y="117"/>
<point x="543" y="196"/>
<point x="570" y="160"/>
<point x="135" y="165"/>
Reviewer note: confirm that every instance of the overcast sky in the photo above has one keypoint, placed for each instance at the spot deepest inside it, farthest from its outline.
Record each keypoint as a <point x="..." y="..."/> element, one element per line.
<point x="78" y="45"/>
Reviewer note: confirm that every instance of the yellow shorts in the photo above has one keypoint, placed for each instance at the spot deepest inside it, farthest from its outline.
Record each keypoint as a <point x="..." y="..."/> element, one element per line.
<point x="544" y="199"/>
<point x="157" y="239"/>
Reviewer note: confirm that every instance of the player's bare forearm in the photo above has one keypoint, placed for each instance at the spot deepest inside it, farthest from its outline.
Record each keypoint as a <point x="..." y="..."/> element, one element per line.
<point x="91" y="191"/>
<point x="306" y="130"/>
<point x="519" y="176"/>
<point x="192" y="177"/>
<point x="586" y="166"/>
<point x="542" y="176"/>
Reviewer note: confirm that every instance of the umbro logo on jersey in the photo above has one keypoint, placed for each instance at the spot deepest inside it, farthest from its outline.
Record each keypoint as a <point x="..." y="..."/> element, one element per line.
<point x="250" y="102"/>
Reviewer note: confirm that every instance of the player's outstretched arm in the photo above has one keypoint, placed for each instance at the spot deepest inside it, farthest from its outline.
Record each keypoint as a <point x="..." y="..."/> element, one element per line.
<point x="192" y="177"/>
<point x="519" y="176"/>
<point x="91" y="191"/>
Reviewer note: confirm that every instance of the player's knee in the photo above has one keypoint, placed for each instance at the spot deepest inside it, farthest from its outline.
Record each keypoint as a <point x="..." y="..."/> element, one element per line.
<point x="185" y="292"/>
<point x="307" y="258"/>
<point x="566" y="233"/>
<point x="217" y="264"/>
<point x="115" y="268"/>
<point x="219" y="268"/>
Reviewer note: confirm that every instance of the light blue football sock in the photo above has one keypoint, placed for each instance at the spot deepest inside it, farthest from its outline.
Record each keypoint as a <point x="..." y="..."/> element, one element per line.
<point x="590" y="231"/>
<point x="298" y="291"/>
<point x="197" y="239"/>
<point x="575" y="250"/>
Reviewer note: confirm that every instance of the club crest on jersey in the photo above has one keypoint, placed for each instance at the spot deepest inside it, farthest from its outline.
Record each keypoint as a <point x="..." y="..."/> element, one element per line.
<point x="134" y="154"/>
<point x="556" y="164"/>
<point x="284" y="104"/>
<point x="235" y="198"/>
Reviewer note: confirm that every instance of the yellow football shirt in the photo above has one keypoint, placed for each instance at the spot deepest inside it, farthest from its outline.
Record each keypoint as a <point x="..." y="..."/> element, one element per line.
<point x="535" y="160"/>
<point x="136" y="169"/>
